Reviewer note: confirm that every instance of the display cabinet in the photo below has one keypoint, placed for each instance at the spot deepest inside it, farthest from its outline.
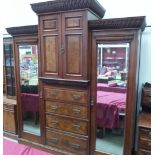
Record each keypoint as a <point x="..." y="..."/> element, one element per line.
<point x="8" y="69"/>
<point x="144" y="134"/>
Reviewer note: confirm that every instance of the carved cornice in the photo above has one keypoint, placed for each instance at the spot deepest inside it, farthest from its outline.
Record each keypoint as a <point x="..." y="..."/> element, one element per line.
<point x="23" y="30"/>
<point x="118" y="23"/>
<point x="63" y="5"/>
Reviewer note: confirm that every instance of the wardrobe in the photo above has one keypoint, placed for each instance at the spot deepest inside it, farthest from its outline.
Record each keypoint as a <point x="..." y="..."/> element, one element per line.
<point x="67" y="38"/>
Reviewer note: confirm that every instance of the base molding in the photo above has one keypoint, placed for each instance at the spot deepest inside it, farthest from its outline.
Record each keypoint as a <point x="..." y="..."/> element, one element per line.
<point x="42" y="147"/>
<point x="10" y="135"/>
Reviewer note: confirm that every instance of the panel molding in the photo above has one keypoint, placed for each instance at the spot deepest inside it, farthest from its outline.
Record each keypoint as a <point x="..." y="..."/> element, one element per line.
<point x="73" y="58"/>
<point x="73" y="22"/>
<point x="51" y="54"/>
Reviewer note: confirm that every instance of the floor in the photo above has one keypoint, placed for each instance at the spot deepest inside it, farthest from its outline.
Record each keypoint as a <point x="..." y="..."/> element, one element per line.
<point x="11" y="147"/>
<point x="111" y="143"/>
<point x="30" y="126"/>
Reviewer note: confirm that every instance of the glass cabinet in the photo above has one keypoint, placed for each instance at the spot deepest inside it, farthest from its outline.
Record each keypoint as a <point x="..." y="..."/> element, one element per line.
<point x="8" y="68"/>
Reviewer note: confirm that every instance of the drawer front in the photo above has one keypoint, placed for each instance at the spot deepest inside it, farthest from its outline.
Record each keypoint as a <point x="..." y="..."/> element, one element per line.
<point x="66" y="124"/>
<point x="66" y="142"/>
<point x="145" y="144"/>
<point x="9" y="121"/>
<point x="144" y="152"/>
<point x="8" y="106"/>
<point x="147" y="92"/>
<point x="145" y="133"/>
<point x="66" y="109"/>
<point x="66" y="95"/>
<point x="146" y="99"/>
<point x="5" y="106"/>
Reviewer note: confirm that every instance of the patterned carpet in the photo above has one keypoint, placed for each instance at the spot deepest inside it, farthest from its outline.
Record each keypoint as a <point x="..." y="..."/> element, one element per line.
<point x="12" y="147"/>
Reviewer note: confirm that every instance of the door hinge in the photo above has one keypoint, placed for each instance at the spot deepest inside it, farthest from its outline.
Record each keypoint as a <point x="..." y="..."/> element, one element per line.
<point x="92" y="101"/>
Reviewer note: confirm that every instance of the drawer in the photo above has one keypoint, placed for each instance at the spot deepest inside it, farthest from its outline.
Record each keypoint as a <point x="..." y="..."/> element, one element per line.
<point x="144" y="152"/>
<point x="146" y="99"/>
<point x="66" y="142"/>
<point x="145" y="133"/>
<point x="67" y="95"/>
<point x="8" y="106"/>
<point x="9" y="121"/>
<point x="66" y="109"/>
<point x="144" y="144"/>
<point x="67" y="124"/>
<point x="5" y="106"/>
<point x="147" y="92"/>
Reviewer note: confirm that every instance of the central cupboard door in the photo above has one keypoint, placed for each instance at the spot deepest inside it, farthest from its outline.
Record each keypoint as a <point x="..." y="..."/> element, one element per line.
<point x="63" y="45"/>
<point x="74" y="31"/>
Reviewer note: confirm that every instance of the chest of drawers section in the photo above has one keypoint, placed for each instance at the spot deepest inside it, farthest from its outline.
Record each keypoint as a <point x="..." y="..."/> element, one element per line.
<point x="67" y="122"/>
<point x="144" y="140"/>
<point x="9" y="117"/>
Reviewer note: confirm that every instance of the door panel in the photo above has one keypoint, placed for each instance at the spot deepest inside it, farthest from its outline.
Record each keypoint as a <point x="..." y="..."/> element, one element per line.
<point x="51" y="54"/>
<point x="50" y="27"/>
<point x="74" y="44"/>
<point x="73" y="54"/>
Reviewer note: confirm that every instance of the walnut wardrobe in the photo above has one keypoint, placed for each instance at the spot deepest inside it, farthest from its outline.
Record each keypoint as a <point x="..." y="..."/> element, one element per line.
<point x="67" y="39"/>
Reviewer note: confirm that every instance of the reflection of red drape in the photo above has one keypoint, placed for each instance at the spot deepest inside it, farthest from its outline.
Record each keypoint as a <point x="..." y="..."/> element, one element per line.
<point x="105" y="87"/>
<point x="30" y="102"/>
<point x="109" y="105"/>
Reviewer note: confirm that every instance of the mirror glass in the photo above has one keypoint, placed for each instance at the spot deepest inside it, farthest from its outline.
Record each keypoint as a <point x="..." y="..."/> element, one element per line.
<point x="28" y="62"/>
<point x="112" y="72"/>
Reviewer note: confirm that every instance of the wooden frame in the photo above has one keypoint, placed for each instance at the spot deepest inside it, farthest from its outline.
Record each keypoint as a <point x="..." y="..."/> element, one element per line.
<point x="132" y="37"/>
<point x="24" y="40"/>
<point x="8" y="41"/>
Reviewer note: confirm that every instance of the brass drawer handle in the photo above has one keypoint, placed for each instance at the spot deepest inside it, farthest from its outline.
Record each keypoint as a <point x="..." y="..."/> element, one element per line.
<point x="54" y="93"/>
<point x="75" y="146"/>
<point x="76" y="111"/>
<point x="76" y="97"/>
<point x="54" y="107"/>
<point x="54" y="140"/>
<point x="55" y="122"/>
<point x="77" y="126"/>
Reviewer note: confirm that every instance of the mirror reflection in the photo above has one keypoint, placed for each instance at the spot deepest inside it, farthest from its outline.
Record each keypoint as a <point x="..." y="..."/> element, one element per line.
<point x="28" y="58"/>
<point x="112" y="71"/>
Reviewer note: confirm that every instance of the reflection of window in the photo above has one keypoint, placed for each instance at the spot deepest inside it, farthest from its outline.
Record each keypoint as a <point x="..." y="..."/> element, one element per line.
<point x="28" y="64"/>
<point x="112" y="61"/>
<point x="28" y="52"/>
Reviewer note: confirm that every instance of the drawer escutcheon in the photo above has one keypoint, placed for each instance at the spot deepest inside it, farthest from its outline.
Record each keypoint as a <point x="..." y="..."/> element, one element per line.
<point x="76" y="111"/>
<point x="54" y="140"/>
